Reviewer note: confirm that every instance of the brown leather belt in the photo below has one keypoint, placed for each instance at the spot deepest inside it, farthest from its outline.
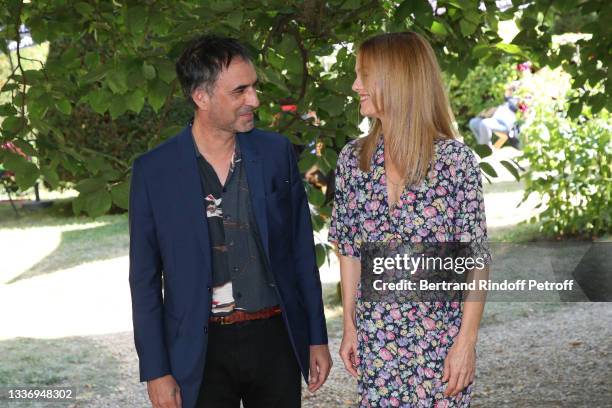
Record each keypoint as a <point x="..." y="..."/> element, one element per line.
<point x="238" y="316"/>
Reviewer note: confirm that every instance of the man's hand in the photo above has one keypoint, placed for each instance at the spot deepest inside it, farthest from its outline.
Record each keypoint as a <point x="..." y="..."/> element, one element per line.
<point x="320" y="364"/>
<point x="164" y="392"/>
<point x="459" y="367"/>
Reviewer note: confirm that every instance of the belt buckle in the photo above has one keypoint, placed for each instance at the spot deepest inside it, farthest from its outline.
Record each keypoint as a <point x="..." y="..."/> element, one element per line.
<point x="224" y="321"/>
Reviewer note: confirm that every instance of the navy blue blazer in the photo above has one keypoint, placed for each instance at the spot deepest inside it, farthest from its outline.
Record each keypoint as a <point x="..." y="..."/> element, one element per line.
<point x="170" y="254"/>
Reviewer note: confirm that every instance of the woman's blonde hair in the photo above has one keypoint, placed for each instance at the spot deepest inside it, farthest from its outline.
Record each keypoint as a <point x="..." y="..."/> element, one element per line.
<point x="401" y="73"/>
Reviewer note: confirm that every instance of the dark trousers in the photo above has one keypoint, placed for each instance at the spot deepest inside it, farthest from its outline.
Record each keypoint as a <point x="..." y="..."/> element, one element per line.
<point x="250" y="361"/>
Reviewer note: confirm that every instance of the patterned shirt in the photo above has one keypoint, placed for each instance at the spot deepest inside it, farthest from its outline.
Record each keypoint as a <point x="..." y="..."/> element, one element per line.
<point x="241" y="278"/>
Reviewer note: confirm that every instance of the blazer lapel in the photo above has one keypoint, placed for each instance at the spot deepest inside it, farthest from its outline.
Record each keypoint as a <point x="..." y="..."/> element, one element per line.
<point x="253" y="164"/>
<point x="190" y="189"/>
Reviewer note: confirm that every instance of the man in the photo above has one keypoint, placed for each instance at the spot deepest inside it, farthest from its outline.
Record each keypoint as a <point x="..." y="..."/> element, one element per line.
<point x="226" y="295"/>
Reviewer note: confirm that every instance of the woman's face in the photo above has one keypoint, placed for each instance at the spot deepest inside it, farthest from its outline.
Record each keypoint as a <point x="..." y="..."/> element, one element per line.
<point x="366" y="106"/>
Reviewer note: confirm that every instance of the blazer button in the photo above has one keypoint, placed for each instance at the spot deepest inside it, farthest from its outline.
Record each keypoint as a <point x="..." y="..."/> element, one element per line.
<point x="205" y="329"/>
<point x="209" y="288"/>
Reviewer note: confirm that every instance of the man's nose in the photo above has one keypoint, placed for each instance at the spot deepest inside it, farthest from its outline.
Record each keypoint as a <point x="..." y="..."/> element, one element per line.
<point x="252" y="99"/>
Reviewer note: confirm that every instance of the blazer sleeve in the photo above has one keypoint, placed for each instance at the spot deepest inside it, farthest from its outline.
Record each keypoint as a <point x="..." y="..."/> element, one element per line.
<point x="304" y="256"/>
<point x="145" y="282"/>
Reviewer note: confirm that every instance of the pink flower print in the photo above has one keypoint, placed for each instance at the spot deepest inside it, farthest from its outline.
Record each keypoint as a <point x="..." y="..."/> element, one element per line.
<point x="374" y="205"/>
<point x="394" y="402"/>
<point x="410" y="197"/>
<point x="441" y="191"/>
<point x="441" y="403"/>
<point x="395" y="314"/>
<point x="429" y="373"/>
<point x="390" y="336"/>
<point x="452" y="331"/>
<point x="430" y="212"/>
<point x="421" y="392"/>
<point x="385" y="354"/>
<point x="369" y="225"/>
<point x="429" y="323"/>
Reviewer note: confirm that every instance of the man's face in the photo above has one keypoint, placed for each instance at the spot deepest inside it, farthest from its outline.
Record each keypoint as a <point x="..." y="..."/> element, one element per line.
<point x="233" y="98"/>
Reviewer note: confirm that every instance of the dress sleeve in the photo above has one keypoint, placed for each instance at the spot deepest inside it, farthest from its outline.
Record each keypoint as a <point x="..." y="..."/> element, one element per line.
<point x="471" y="224"/>
<point x="343" y="230"/>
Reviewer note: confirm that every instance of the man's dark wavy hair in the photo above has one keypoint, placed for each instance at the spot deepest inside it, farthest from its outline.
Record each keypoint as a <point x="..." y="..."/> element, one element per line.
<point x="201" y="62"/>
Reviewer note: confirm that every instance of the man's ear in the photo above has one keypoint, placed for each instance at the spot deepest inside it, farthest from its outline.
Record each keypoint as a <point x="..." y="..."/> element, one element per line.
<point x="201" y="98"/>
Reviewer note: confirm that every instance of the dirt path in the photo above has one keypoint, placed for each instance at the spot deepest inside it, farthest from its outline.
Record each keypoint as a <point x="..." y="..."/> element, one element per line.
<point x="560" y="359"/>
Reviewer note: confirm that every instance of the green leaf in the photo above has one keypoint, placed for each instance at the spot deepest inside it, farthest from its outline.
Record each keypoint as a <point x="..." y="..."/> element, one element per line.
<point x="26" y="173"/>
<point x="90" y="185"/>
<point x="97" y="74"/>
<point x="509" y="48"/>
<point x="97" y="203"/>
<point x="137" y="19"/>
<point x="512" y="169"/>
<point x="84" y="9"/>
<point x="99" y="100"/>
<point x="488" y="169"/>
<point x="165" y="70"/>
<point x="78" y="204"/>
<point x="111" y="174"/>
<point x="118" y="106"/>
<point x="64" y="106"/>
<point x="575" y="109"/>
<point x="421" y="9"/>
<point x="321" y="254"/>
<point x="467" y="28"/>
<point x="438" y="29"/>
<point x="273" y="77"/>
<point x="148" y="71"/>
<point x="483" y="151"/>
<point x="120" y="194"/>
<point x="92" y="59"/>
<point x="50" y="176"/>
<point x="332" y="104"/>
<point x="481" y="50"/>
<point x="158" y="92"/>
<point x="307" y="162"/>
<point x="316" y="197"/>
<point x="350" y="4"/>
<point x="95" y="164"/>
<point x="234" y="19"/>
<point x="135" y="101"/>
<point x="117" y="81"/>
<point x="9" y="86"/>
<point x="7" y="109"/>
<point x="12" y="125"/>
<point x="330" y="156"/>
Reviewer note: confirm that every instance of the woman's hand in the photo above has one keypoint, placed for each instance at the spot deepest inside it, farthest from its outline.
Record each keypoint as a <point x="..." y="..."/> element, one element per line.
<point x="459" y="367"/>
<point x="348" y="350"/>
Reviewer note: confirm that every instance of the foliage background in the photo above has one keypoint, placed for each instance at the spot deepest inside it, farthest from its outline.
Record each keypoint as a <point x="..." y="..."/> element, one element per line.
<point x="107" y="90"/>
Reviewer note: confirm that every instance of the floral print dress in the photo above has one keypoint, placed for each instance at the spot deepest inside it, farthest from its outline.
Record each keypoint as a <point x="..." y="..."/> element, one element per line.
<point x="402" y="347"/>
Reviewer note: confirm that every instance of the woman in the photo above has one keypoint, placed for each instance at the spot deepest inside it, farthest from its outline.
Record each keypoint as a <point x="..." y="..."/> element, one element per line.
<point x="409" y="179"/>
